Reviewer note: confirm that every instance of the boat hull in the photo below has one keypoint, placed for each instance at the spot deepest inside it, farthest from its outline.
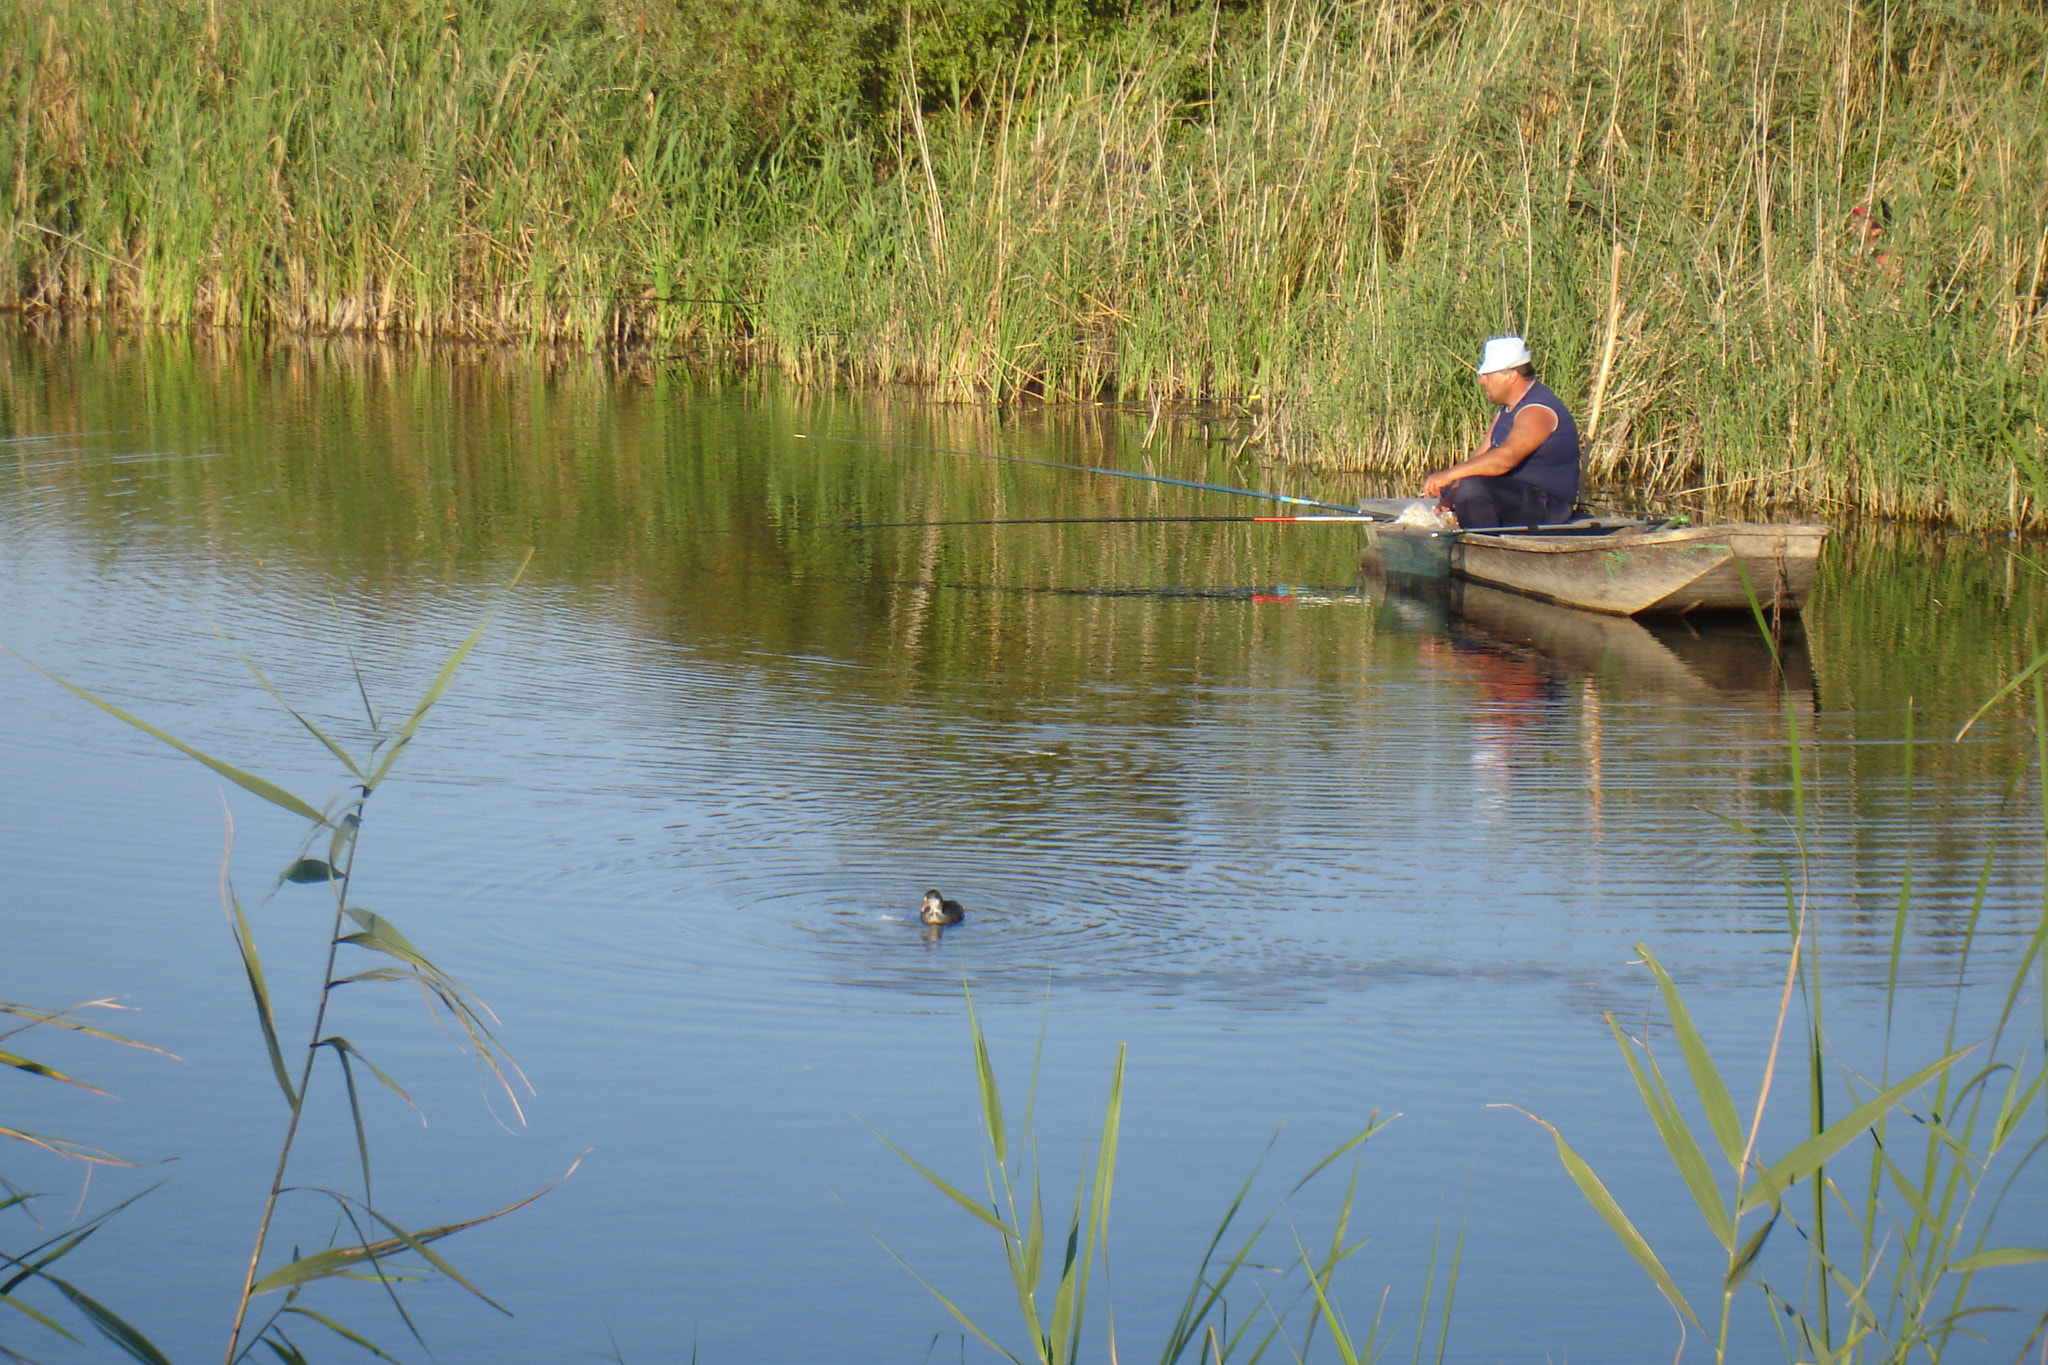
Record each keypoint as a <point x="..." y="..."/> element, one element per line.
<point x="1636" y="572"/>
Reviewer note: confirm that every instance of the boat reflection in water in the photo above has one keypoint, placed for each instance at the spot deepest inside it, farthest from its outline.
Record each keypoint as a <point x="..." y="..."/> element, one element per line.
<point x="1720" y="658"/>
<point x="1543" y="676"/>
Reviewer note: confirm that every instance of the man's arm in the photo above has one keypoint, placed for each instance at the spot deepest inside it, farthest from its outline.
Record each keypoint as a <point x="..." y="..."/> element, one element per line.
<point x="1531" y="429"/>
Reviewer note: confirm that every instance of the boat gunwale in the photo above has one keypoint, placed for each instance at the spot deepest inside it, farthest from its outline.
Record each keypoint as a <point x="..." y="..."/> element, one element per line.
<point x="1525" y="543"/>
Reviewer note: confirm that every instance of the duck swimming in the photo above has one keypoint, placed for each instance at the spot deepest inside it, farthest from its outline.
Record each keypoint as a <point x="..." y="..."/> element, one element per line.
<point x="938" y="910"/>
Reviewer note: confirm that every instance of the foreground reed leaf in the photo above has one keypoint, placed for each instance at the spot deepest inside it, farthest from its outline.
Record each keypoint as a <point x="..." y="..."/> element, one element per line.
<point x="2002" y="693"/>
<point x="339" y="1330"/>
<point x="249" y="782"/>
<point x="109" y="1324"/>
<point x="32" y="1313"/>
<point x="78" y="1151"/>
<point x="315" y="731"/>
<point x="985" y="1078"/>
<point x="943" y="1187"/>
<point x="1678" y="1139"/>
<point x="252" y="971"/>
<point x="2000" y="1256"/>
<point x="441" y="683"/>
<point x="1335" y="1325"/>
<point x="38" y="1018"/>
<point x="49" y="1073"/>
<point x="1706" y="1077"/>
<point x="1810" y="1155"/>
<point x="1738" y="1269"/>
<point x="1610" y="1213"/>
<point x="339" y="1260"/>
<point x="307" y="870"/>
<point x="345" y="1049"/>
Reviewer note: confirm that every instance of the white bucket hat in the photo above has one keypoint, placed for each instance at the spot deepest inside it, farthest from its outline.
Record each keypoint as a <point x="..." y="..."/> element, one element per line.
<point x="1503" y="353"/>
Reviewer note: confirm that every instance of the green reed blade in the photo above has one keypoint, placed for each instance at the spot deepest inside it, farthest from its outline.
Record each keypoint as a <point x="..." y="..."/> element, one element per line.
<point x="1999" y="1256"/>
<point x="110" y="1325"/>
<point x="344" y="1046"/>
<point x="1062" y="1337"/>
<point x="442" y="681"/>
<point x="344" y="837"/>
<point x="1374" y="1124"/>
<point x="1327" y="1311"/>
<point x="306" y="871"/>
<point x="335" y="1260"/>
<point x="1610" y="1213"/>
<point x="985" y="1081"/>
<point x="1678" y="1139"/>
<point x="2014" y="1106"/>
<point x="1186" y="1326"/>
<point x="60" y="1019"/>
<point x="1706" y="1077"/>
<point x="249" y="782"/>
<point x="1033" y="1263"/>
<point x="958" y="1314"/>
<point x="1105" y="1188"/>
<point x="35" y="1315"/>
<point x="1738" y="1268"/>
<point x="252" y="971"/>
<point x="1915" y="1201"/>
<point x="380" y="935"/>
<point x="1443" y="1334"/>
<point x="418" y="1242"/>
<point x="1810" y="1155"/>
<point x="311" y="729"/>
<point x="34" y="1068"/>
<point x="2019" y="679"/>
<point x="339" y="1330"/>
<point x="355" y="1113"/>
<point x="281" y="1346"/>
<point x="948" y="1190"/>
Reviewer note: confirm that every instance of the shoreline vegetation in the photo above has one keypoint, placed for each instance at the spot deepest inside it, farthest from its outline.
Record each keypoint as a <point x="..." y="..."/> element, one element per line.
<point x="1796" y="255"/>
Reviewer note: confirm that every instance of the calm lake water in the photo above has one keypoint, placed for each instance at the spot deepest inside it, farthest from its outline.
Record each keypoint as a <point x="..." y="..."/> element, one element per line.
<point x="1311" y="851"/>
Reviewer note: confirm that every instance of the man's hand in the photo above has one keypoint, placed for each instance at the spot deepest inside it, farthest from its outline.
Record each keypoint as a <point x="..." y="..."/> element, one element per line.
<point x="1438" y="482"/>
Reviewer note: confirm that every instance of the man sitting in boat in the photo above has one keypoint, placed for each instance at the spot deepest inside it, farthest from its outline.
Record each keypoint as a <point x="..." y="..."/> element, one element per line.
<point x="1527" y="473"/>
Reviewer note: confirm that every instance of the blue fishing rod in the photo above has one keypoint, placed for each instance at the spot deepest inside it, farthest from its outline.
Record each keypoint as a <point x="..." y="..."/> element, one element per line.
<point x="1350" y="513"/>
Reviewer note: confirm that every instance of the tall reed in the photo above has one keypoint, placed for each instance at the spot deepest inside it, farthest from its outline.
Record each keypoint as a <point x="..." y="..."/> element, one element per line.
<point x="1068" y="1251"/>
<point x="363" y="1241"/>
<point x="1894" y="1205"/>
<point x="1319" y="210"/>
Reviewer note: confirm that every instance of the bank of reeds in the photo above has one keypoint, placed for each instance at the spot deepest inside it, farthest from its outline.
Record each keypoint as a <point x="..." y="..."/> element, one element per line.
<point x="1785" y="252"/>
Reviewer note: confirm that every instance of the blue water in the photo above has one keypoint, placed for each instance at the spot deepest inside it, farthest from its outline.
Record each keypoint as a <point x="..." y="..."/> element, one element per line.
<point x="1311" y="858"/>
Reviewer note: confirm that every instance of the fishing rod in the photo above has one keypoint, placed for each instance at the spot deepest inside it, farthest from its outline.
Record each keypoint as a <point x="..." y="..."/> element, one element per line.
<point x="1080" y="521"/>
<point x="1353" y="512"/>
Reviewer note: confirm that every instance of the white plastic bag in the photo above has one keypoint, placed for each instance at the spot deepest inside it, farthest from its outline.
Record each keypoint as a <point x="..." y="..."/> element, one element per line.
<point x="1424" y="514"/>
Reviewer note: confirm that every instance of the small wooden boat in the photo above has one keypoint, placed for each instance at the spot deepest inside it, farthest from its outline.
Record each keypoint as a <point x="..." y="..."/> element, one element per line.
<point x="1623" y="568"/>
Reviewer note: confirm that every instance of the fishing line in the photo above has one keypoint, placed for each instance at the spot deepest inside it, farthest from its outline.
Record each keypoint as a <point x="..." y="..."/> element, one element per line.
<point x="1078" y="521"/>
<point x="1097" y="469"/>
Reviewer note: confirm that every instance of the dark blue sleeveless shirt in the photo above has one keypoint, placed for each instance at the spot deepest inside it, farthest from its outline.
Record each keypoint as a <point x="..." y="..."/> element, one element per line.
<point x="1554" y="465"/>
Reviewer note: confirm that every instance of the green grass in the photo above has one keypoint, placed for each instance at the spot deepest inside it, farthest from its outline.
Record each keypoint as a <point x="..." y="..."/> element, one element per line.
<point x="1318" y="208"/>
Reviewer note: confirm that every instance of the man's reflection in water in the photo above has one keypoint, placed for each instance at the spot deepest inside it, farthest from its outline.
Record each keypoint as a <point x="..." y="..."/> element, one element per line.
<point x="1521" y="696"/>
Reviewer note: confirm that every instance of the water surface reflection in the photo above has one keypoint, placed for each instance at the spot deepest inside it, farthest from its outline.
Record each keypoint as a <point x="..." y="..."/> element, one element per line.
<point x="1312" y="847"/>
